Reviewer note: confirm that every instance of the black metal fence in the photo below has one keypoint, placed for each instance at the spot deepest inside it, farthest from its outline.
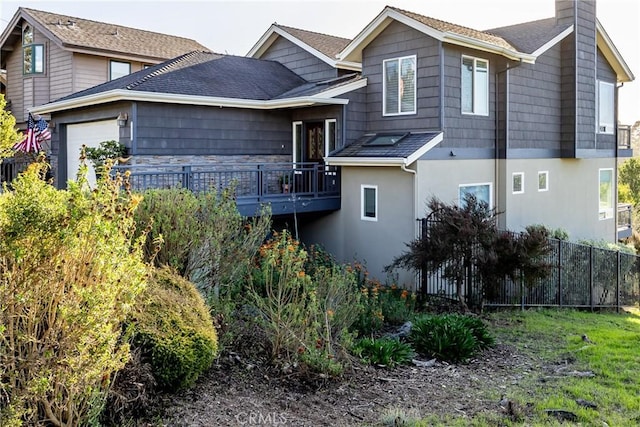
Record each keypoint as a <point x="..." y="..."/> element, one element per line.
<point x="580" y="276"/>
<point x="11" y="167"/>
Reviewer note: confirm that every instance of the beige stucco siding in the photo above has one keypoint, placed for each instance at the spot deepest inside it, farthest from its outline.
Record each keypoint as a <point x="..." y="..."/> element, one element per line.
<point x="375" y="243"/>
<point x="571" y="202"/>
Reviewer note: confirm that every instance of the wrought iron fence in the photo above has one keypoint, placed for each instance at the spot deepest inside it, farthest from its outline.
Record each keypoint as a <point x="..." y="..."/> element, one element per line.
<point x="580" y="276"/>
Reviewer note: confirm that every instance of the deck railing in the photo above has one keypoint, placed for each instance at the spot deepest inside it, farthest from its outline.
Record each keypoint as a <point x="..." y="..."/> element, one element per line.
<point x="253" y="181"/>
<point x="624" y="137"/>
<point x="625" y="220"/>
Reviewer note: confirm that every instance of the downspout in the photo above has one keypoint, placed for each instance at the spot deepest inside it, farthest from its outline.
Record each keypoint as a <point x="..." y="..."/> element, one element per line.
<point x="415" y="194"/>
<point x="441" y="121"/>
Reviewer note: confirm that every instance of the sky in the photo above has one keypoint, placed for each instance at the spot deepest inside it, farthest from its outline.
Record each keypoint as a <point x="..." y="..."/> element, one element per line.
<point x="234" y="26"/>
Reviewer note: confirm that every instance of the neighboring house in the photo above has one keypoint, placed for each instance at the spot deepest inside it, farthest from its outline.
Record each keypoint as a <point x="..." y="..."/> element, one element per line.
<point x="48" y="56"/>
<point x="524" y="117"/>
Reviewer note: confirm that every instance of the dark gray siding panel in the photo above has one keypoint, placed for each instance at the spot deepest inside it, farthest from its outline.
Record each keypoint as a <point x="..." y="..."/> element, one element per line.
<point x="299" y="61"/>
<point x="395" y="41"/>
<point x="535" y="104"/>
<point x="165" y="129"/>
<point x="467" y="130"/>
<point x="586" y="75"/>
<point x="568" y="127"/>
<point x="356" y="114"/>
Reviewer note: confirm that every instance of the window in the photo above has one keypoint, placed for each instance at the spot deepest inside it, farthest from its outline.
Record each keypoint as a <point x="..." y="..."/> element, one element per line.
<point x="517" y="180"/>
<point x="606" y="107"/>
<point x="32" y="54"/>
<point x="330" y="132"/>
<point x="118" y="69"/>
<point x="481" y="191"/>
<point x="369" y="199"/>
<point x="475" y="86"/>
<point x="399" y="78"/>
<point x="606" y="193"/>
<point x="543" y="180"/>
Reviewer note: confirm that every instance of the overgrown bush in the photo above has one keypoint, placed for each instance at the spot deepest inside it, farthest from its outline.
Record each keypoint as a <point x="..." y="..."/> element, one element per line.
<point x="69" y="272"/>
<point x="383" y="351"/>
<point x="380" y="303"/>
<point x="174" y="329"/>
<point x="306" y="317"/>
<point x="203" y="237"/>
<point x="449" y="337"/>
<point x="170" y="215"/>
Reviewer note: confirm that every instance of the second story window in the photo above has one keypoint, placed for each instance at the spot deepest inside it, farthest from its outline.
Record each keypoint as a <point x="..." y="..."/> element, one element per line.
<point x="606" y="107"/>
<point x="32" y="53"/>
<point x="118" y="69"/>
<point x="475" y="86"/>
<point x="399" y="81"/>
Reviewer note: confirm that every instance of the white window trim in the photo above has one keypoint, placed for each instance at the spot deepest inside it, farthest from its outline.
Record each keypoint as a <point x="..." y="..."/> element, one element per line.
<point x="605" y="214"/>
<point x="473" y="87"/>
<point x="362" y="204"/>
<point x="294" y="145"/>
<point x="521" y="174"/>
<point x="613" y="125"/>
<point x="546" y="188"/>
<point x="112" y="61"/>
<point x="384" y="87"/>
<point x="326" y="134"/>
<point x="475" y="184"/>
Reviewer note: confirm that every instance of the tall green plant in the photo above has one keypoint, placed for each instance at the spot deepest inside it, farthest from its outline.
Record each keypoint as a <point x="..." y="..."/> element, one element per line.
<point x="69" y="273"/>
<point x="8" y="134"/>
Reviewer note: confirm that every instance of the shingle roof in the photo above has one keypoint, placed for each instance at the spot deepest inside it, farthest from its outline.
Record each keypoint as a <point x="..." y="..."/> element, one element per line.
<point x="93" y="35"/>
<point x="324" y="43"/>
<point x="207" y="74"/>
<point x="530" y="36"/>
<point x="402" y="149"/>
<point x="444" y="26"/>
<point x="313" y="88"/>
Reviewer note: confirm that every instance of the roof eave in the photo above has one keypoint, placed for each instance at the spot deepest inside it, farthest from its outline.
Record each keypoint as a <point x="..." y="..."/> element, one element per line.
<point x="341" y="90"/>
<point x="611" y="53"/>
<point x="112" y="54"/>
<point x="128" y="95"/>
<point x="353" y="51"/>
<point x="557" y="39"/>
<point x="270" y="36"/>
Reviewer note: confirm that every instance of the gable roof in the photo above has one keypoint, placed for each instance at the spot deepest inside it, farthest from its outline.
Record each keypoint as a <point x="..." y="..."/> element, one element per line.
<point x="438" y="29"/>
<point x="205" y="78"/>
<point x="83" y="35"/>
<point x="530" y="37"/>
<point x="403" y="153"/>
<point x="323" y="46"/>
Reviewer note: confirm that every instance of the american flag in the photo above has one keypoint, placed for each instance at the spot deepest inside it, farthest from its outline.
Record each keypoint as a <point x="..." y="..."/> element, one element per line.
<point x="37" y="133"/>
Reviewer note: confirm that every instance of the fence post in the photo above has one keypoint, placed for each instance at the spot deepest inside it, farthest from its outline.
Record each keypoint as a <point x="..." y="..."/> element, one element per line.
<point x="186" y="173"/>
<point x="560" y="273"/>
<point x="591" y="277"/>
<point x="521" y="292"/>
<point x="618" y="282"/>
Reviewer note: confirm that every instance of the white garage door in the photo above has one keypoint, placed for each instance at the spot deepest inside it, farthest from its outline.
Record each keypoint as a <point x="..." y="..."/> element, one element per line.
<point x="90" y="134"/>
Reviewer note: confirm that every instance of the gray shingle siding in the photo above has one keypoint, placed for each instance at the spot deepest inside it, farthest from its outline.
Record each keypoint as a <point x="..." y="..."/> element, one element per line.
<point x="534" y="103"/>
<point x="192" y="130"/>
<point x="467" y="130"/>
<point x="398" y="40"/>
<point x="299" y="60"/>
<point x="586" y="77"/>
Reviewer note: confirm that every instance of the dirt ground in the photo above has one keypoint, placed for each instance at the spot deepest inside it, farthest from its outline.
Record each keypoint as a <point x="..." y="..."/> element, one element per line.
<point x="235" y="392"/>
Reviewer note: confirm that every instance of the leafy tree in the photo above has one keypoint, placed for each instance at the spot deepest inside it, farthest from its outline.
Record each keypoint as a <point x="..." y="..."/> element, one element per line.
<point x="8" y="134"/>
<point x="462" y="239"/>
<point x="630" y="179"/>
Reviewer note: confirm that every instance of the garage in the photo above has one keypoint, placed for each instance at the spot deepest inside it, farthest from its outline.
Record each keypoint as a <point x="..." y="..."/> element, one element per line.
<point x="90" y="134"/>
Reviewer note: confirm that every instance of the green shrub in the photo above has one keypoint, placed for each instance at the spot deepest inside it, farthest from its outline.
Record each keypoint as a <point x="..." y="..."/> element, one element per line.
<point x="69" y="274"/>
<point x="170" y="216"/>
<point x="383" y="351"/>
<point x="306" y="317"/>
<point x="449" y="337"/>
<point x="174" y="329"/>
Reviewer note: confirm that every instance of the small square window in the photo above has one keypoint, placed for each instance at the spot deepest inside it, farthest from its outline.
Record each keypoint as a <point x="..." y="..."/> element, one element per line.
<point x="518" y="182"/>
<point x="118" y="69"/>
<point x="543" y="180"/>
<point x="369" y="199"/>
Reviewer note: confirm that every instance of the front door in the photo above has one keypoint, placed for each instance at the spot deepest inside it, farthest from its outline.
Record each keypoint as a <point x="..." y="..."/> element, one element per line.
<point x="314" y="144"/>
